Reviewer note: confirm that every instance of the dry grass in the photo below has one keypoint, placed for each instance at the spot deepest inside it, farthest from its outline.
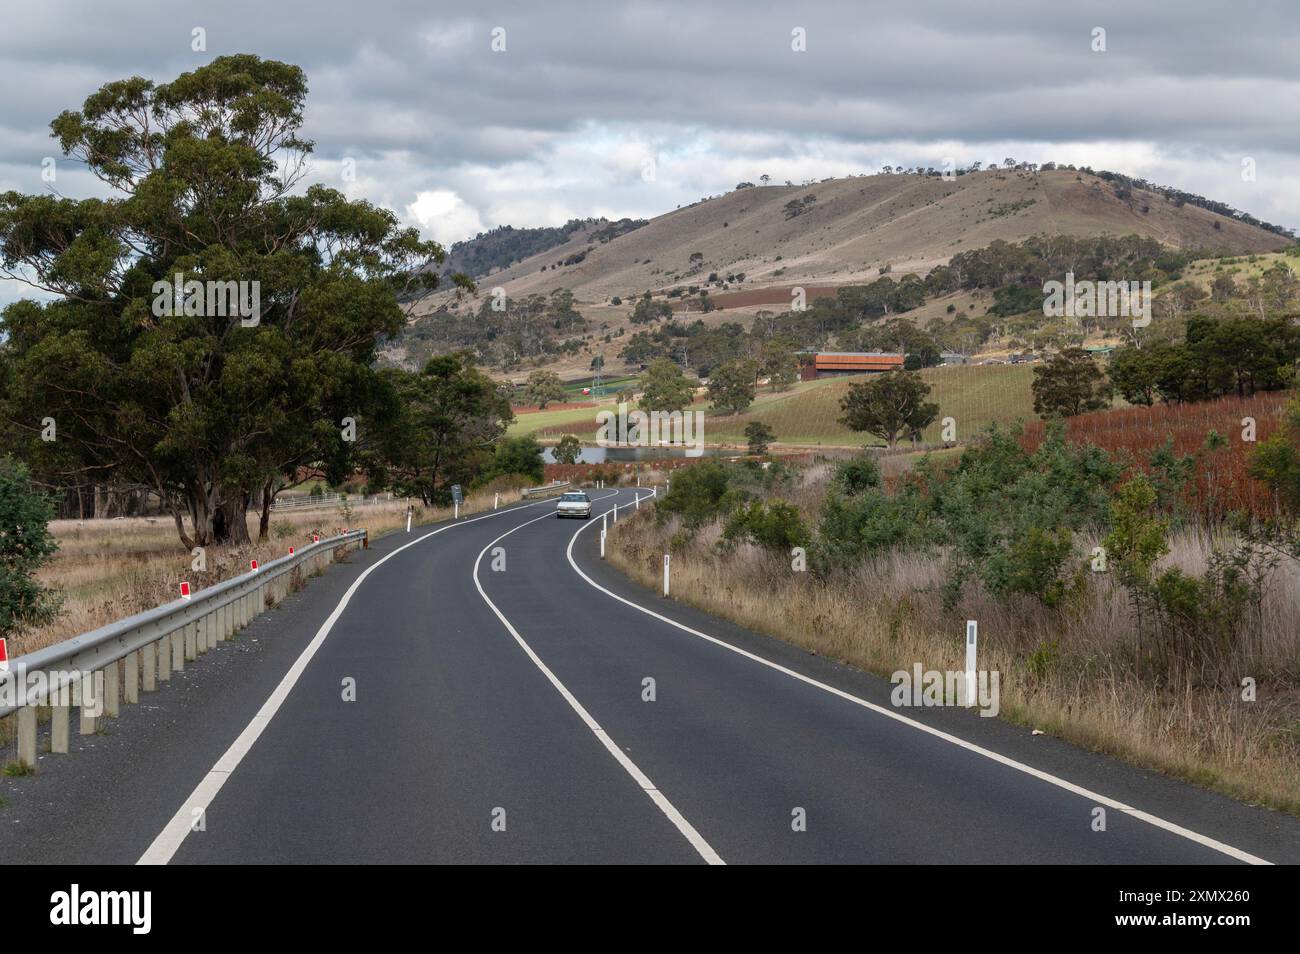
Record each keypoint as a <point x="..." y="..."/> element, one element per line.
<point x="1069" y="676"/>
<point x="106" y="570"/>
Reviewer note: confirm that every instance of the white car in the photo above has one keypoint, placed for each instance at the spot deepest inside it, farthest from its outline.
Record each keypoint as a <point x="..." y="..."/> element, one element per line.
<point x="574" y="504"/>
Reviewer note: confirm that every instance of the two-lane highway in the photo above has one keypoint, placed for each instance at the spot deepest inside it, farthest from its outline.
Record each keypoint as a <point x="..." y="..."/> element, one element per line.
<point x="491" y="691"/>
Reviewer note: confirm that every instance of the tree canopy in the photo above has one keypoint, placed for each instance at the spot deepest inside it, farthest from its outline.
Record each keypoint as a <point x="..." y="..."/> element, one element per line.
<point x="146" y="376"/>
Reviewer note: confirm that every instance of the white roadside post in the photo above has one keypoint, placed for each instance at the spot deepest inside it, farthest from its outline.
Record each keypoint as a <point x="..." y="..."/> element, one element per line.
<point x="602" y="522"/>
<point x="637" y="500"/>
<point x="972" y="632"/>
<point x="455" y="515"/>
<point x="602" y="543"/>
<point x="665" y="574"/>
<point x="496" y="501"/>
<point x="615" y="520"/>
<point x="408" y="519"/>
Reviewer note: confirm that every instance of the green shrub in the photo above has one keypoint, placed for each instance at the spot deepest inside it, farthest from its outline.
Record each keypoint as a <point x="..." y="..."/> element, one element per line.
<point x="26" y="544"/>
<point x="700" y="493"/>
<point x="857" y="475"/>
<point x="772" y="526"/>
<point x="1040" y="565"/>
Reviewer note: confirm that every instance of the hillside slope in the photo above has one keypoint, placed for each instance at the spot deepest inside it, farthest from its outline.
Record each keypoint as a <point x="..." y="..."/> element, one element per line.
<point x="855" y="226"/>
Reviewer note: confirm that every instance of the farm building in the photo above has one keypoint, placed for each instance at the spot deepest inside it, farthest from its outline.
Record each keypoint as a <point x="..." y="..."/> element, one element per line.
<point x="827" y="364"/>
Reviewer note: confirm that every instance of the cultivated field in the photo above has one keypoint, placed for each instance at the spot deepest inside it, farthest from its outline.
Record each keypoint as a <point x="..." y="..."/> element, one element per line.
<point x="808" y="414"/>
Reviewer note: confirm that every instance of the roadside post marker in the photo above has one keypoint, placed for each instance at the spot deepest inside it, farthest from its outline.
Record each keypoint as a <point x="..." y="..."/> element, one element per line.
<point x="665" y="574"/>
<point x="496" y="501"/>
<point x="602" y="543"/>
<point x="972" y="633"/>
<point x="408" y="519"/>
<point x="4" y="652"/>
<point x="185" y="591"/>
<point x="252" y="565"/>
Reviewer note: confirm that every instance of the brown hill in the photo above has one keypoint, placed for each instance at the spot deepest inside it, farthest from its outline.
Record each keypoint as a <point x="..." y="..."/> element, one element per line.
<point x="851" y="228"/>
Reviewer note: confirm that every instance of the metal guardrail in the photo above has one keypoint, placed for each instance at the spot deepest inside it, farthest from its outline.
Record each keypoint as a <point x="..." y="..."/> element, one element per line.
<point x="325" y="500"/>
<point x="83" y="671"/>
<point x="533" y="493"/>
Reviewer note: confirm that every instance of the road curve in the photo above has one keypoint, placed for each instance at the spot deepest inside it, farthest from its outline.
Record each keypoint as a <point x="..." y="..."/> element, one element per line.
<point x="502" y="715"/>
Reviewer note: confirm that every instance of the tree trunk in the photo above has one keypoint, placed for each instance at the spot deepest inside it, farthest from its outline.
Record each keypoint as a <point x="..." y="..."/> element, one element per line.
<point x="230" y="521"/>
<point x="268" y="497"/>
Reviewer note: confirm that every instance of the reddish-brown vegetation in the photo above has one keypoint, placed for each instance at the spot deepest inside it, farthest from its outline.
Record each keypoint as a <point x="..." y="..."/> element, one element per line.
<point x="1223" y="482"/>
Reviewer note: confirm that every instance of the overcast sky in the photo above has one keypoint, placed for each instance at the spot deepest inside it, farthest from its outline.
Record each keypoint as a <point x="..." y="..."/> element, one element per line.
<point x="586" y="97"/>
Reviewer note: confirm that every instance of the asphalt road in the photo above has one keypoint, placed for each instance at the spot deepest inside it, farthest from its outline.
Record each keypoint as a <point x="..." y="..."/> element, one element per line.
<point x="501" y="715"/>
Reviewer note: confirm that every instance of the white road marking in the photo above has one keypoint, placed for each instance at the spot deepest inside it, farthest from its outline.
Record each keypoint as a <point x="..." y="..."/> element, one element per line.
<point x="686" y="828"/>
<point x="1096" y="798"/>
<point x="164" y="847"/>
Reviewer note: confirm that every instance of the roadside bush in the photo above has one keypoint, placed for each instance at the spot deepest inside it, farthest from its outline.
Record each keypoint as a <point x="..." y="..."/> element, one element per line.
<point x="26" y="544"/>
<point x="700" y="493"/>
<point x="870" y="524"/>
<point x="517" y="455"/>
<point x="857" y="475"/>
<point x="1040" y="565"/>
<point x="773" y="526"/>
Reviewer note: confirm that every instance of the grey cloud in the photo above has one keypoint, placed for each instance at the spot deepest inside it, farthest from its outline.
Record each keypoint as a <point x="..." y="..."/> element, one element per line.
<point x="414" y="86"/>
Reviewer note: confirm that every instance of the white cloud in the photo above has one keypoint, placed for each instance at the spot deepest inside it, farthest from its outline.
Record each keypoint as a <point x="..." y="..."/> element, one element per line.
<point x="443" y="216"/>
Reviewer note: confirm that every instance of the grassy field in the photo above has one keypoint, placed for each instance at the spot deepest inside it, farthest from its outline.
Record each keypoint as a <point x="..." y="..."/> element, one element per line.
<point x="973" y="395"/>
<point x="808" y="414"/>
<point x="1204" y="271"/>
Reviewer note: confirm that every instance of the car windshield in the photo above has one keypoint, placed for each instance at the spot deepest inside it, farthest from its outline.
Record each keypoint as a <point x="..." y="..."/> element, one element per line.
<point x="577" y="498"/>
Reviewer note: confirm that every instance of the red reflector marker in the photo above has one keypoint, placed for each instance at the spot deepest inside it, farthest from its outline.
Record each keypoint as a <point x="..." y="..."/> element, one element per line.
<point x="185" y="591"/>
<point x="4" y="654"/>
<point x="252" y="564"/>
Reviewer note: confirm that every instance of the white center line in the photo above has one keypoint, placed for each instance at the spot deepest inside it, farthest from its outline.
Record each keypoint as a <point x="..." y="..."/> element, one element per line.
<point x="686" y="828"/>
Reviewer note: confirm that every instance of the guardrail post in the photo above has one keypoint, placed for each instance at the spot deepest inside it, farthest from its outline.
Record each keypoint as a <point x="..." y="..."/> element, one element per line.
<point x="149" y="659"/>
<point x="131" y="677"/>
<point x="190" y="651"/>
<point x="163" y="648"/>
<point x="178" y="650"/>
<point x="200" y="637"/>
<point x="59" y="729"/>
<point x="27" y="736"/>
<point x="87" y="726"/>
<point x="112" y="692"/>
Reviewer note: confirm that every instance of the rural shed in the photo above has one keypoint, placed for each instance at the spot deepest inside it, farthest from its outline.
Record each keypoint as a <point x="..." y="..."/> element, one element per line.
<point x="831" y="363"/>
